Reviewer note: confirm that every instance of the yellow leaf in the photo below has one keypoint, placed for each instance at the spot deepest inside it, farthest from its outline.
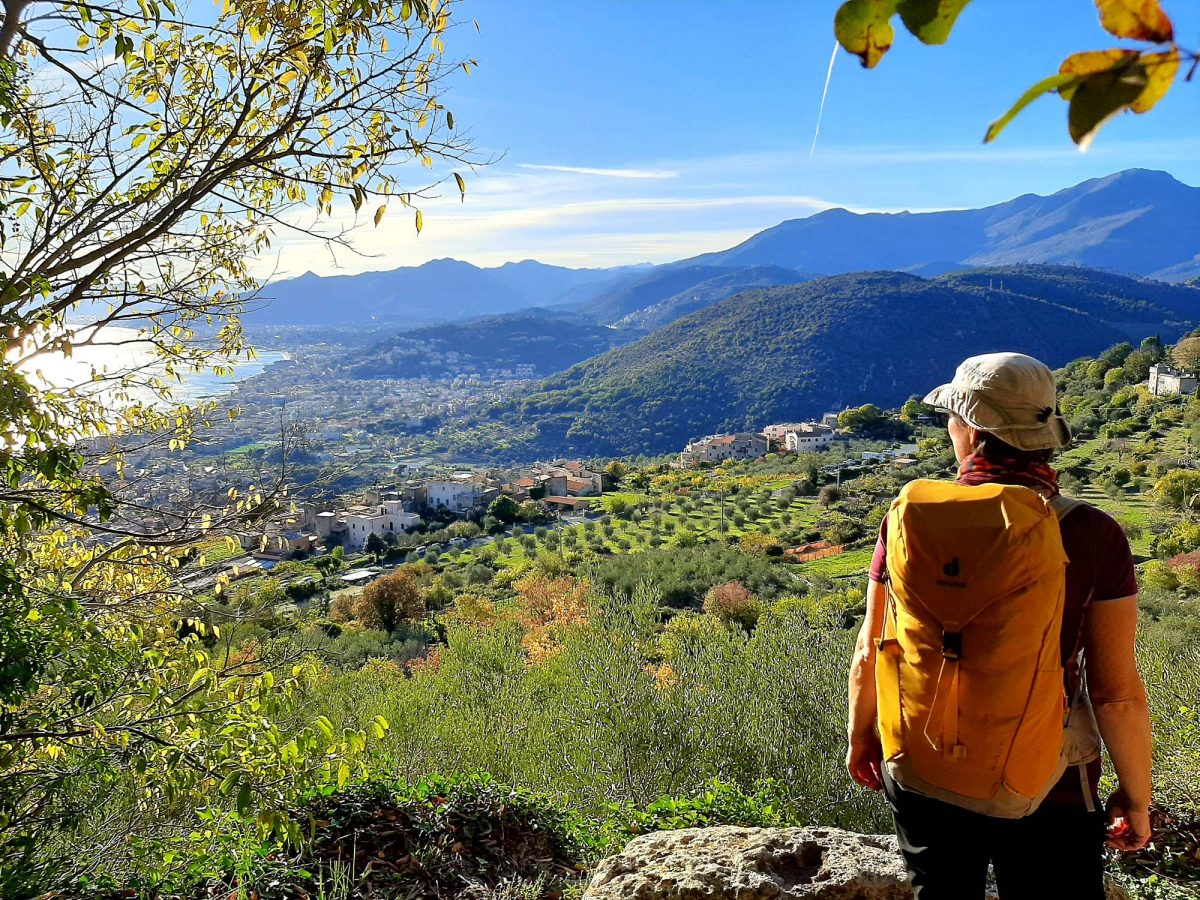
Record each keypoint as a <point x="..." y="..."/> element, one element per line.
<point x="1160" y="74"/>
<point x="152" y="97"/>
<point x="1089" y="62"/>
<point x="1139" y="20"/>
<point x="864" y="28"/>
<point x="462" y="186"/>
<point x="420" y="220"/>
<point x="83" y="42"/>
<point x="379" y="215"/>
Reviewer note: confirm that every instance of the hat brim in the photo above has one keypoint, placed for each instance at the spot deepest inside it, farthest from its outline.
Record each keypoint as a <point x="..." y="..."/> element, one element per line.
<point x="1055" y="434"/>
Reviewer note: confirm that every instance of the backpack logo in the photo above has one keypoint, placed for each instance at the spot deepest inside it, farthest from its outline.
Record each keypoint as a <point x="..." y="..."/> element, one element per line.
<point x="951" y="570"/>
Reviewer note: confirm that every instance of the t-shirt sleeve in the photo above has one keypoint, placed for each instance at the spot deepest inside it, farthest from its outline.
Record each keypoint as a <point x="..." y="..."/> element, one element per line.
<point x="879" y="559"/>
<point x="1115" y="574"/>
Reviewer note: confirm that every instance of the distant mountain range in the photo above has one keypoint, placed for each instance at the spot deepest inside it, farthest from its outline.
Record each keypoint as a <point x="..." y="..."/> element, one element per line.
<point x="439" y="290"/>
<point x="793" y="352"/>
<point x="1138" y="222"/>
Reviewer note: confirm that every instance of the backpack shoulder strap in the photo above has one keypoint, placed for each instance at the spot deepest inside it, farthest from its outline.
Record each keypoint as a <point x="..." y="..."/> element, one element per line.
<point x="1064" y="506"/>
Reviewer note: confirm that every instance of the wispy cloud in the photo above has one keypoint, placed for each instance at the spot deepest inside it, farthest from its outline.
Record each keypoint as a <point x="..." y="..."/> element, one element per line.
<point x="583" y="216"/>
<point x="653" y="174"/>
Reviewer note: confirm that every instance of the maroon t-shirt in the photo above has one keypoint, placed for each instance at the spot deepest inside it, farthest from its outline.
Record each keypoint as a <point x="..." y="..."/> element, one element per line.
<point x="1100" y="567"/>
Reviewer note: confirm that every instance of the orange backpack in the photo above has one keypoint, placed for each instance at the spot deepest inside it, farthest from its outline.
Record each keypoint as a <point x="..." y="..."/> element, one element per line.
<point x="969" y="678"/>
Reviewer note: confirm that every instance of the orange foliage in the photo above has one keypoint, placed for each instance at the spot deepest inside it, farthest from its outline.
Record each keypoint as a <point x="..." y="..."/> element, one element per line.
<point x="431" y="662"/>
<point x="663" y="675"/>
<point x="548" y="607"/>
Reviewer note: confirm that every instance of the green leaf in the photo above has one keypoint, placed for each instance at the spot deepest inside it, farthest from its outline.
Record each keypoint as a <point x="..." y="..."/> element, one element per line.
<point x="1053" y="83"/>
<point x="1100" y="97"/>
<point x="864" y="28"/>
<point x="462" y="186"/>
<point x="244" y="797"/>
<point x="930" y="21"/>
<point x="229" y="783"/>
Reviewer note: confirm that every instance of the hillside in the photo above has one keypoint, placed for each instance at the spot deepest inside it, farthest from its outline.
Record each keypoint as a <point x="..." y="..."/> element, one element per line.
<point x="797" y="351"/>
<point x="1137" y="305"/>
<point x="1137" y="221"/>
<point x="644" y="289"/>
<point x="546" y="340"/>
<point x="706" y="293"/>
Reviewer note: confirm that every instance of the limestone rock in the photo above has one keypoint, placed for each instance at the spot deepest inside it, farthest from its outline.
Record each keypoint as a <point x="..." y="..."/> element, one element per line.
<point x="731" y="863"/>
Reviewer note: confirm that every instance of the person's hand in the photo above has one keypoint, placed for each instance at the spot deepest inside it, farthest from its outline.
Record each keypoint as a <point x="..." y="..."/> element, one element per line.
<point x="864" y="762"/>
<point x="1128" y="825"/>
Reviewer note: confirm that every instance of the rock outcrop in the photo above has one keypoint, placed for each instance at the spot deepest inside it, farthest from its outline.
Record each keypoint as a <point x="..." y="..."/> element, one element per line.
<point x="731" y="863"/>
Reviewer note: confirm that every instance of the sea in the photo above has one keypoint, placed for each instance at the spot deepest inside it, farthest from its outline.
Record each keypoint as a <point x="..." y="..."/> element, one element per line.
<point x="116" y="349"/>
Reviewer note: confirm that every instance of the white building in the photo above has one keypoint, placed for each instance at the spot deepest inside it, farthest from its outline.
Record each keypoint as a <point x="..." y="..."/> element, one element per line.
<point x="807" y="436"/>
<point x="387" y="518"/>
<point x="720" y="447"/>
<point x="1166" y="380"/>
<point x="460" y="494"/>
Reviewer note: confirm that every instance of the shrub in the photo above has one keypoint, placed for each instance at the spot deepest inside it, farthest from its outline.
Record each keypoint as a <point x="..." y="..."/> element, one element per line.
<point x="389" y="602"/>
<point x="719" y="804"/>
<point x="829" y="495"/>
<point x="732" y="603"/>
<point x="1176" y="488"/>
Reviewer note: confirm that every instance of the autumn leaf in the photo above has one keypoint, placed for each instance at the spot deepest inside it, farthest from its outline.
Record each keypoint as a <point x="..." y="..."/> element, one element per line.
<point x="1090" y="62"/>
<point x="420" y="221"/>
<point x="379" y="215"/>
<point x="864" y="28"/>
<point x="930" y="21"/>
<point x="462" y="186"/>
<point x="1161" y="69"/>
<point x="1139" y="20"/>
<point x="1098" y="93"/>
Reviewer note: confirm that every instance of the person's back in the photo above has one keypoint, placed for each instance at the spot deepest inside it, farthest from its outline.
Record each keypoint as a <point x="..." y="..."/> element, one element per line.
<point x="1004" y="425"/>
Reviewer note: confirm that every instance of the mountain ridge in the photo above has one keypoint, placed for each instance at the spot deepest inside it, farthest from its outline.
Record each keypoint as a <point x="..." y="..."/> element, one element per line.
<point x="1137" y="221"/>
<point x="796" y="351"/>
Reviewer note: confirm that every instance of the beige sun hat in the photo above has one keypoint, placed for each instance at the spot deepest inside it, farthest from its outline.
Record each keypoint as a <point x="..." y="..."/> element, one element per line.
<point x="1009" y="394"/>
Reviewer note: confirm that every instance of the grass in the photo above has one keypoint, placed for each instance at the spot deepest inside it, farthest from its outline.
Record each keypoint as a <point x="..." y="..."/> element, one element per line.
<point x="843" y="565"/>
<point x="246" y="448"/>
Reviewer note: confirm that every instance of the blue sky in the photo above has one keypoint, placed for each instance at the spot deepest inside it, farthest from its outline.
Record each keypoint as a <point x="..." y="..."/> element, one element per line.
<point x="654" y="130"/>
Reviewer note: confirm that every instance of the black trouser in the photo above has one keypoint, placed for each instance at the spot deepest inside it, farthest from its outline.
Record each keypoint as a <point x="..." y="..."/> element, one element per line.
<point x="1057" y="852"/>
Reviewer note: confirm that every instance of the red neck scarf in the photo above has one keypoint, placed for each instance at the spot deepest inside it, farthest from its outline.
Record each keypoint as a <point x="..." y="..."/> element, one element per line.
<point x="976" y="469"/>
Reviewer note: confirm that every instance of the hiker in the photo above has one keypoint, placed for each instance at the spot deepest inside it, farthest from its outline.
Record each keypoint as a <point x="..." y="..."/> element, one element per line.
<point x="996" y="652"/>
